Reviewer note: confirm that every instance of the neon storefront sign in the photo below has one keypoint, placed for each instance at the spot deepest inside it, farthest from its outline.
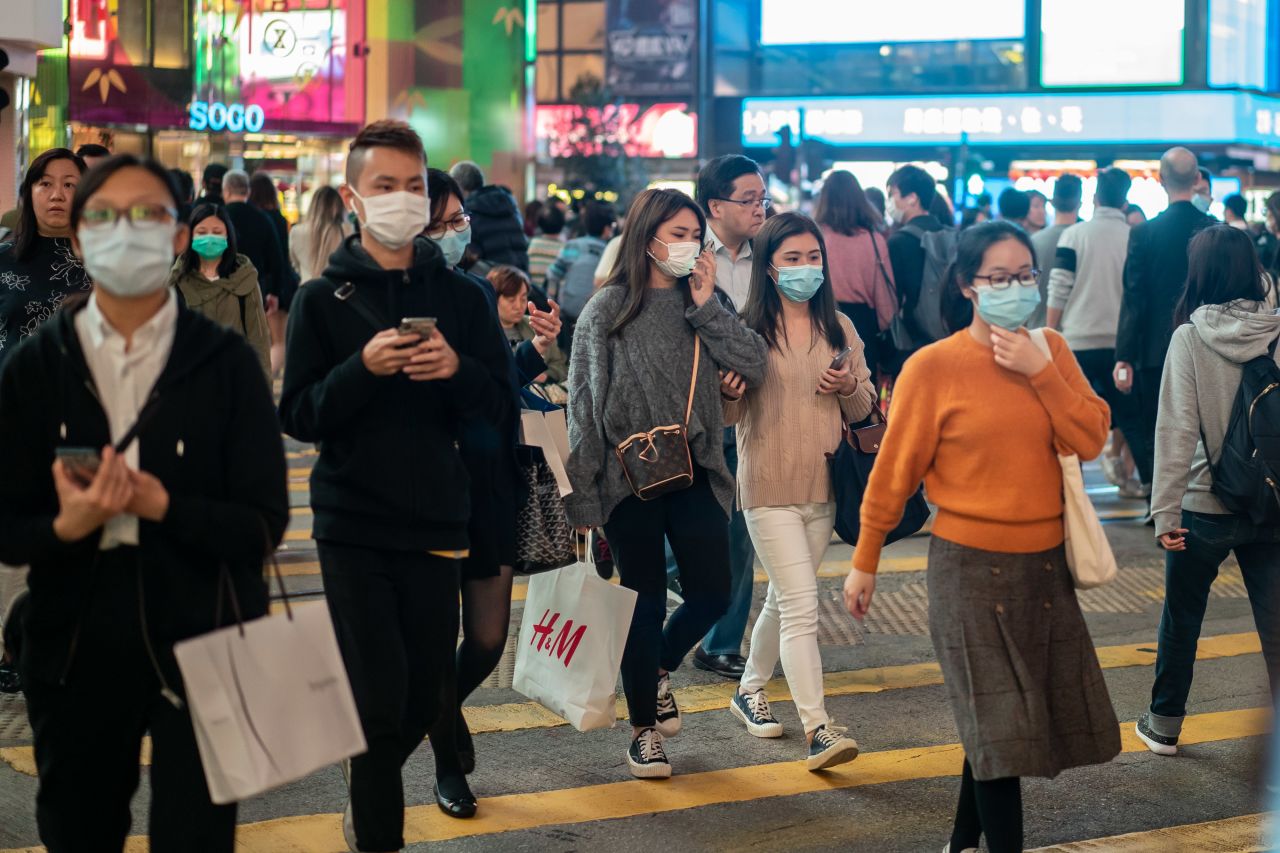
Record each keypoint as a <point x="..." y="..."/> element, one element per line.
<point x="235" y="118"/>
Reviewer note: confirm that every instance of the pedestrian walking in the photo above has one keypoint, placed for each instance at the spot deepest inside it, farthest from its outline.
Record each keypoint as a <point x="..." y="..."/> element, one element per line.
<point x="256" y="238"/>
<point x="318" y="236"/>
<point x="547" y="244"/>
<point x="1068" y="191"/>
<point x="1037" y="212"/>
<point x="512" y="288"/>
<point x="217" y="282"/>
<point x="143" y="468"/>
<point x="638" y="341"/>
<point x="858" y="257"/>
<point x="816" y="382"/>
<point x="1155" y="271"/>
<point x="1235" y="207"/>
<point x="389" y="352"/>
<point x="497" y="230"/>
<point x="1223" y="324"/>
<point x="1014" y="206"/>
<point x="265" y="197"/>
<point x="917" y="261"/>
<point x="980" y="416"/>
<point x="571" y="279"/>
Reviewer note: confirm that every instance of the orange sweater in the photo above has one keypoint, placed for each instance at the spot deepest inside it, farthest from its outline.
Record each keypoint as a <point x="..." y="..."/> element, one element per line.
<point x="985" y="441"/>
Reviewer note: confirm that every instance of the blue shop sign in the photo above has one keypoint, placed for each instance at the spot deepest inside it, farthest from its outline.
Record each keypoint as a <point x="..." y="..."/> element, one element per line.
<point x="235" y="118"/>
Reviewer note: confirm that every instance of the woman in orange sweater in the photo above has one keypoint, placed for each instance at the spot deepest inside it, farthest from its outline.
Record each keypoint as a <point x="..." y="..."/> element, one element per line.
<point x="980" y="416"/>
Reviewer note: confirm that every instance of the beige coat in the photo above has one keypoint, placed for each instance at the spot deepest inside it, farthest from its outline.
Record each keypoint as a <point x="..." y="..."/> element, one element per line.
<point x="234" y="302"/>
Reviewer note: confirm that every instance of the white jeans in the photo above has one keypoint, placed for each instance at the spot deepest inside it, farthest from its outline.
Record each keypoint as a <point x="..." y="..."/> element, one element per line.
<point x="790" y="541"/>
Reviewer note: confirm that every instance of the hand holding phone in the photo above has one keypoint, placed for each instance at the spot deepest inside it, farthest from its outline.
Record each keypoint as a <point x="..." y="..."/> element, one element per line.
<point x="84" y="507"/>
<point x="423" y="327"/>
<point x="832" y="379"/>
<point x="80" y="462"/>
<point x="841" y="358"/>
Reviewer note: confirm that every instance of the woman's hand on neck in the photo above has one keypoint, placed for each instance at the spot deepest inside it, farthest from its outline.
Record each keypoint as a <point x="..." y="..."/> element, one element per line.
<point x="981" y="330"/>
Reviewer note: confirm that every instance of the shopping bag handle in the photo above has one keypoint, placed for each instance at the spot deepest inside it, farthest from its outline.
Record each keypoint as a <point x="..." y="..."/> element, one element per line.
<point x="224" y="582"/>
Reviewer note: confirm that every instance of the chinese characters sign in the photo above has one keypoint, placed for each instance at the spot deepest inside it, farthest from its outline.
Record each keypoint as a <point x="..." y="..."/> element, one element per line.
<point x="652" y="47"/>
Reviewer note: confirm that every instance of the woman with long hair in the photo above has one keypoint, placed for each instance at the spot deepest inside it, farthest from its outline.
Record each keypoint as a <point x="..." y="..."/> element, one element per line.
<point x="656" y="325"/>
<point x="38" y="269"/>
<point x="264" y="196"/>
<point x="981" y="417"/>
<point x="1222" y="323"/>
<point x="313" y="240"/>
<point x="816" y="382"/>
<point x="219" y="283"/>
<point x="858" y="257"/>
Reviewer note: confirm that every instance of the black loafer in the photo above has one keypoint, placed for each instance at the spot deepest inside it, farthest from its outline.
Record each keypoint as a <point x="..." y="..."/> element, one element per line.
<point x="727" y="666"/>
<point x="459" y="807"/>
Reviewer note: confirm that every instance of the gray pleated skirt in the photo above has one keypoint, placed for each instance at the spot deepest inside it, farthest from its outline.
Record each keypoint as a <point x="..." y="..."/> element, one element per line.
<point x="1019" y="665"/>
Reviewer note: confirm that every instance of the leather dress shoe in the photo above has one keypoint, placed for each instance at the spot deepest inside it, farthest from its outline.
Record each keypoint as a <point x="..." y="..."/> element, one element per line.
<point x="727" y="666"/>
<point x="463" y="806"/>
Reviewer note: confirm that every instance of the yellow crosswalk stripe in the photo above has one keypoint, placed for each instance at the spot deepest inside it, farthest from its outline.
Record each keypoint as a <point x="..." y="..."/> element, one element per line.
<point x="1242" y="834"/>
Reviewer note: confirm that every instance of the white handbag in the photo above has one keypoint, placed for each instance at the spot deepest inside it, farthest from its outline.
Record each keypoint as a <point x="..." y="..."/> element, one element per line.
<point x="269" y="698"/>
<point x="1089" y="553"/>
<point x="572" y="635"/>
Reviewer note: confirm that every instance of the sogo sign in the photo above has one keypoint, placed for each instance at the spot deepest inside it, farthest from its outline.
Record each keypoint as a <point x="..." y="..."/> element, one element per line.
<point x="218" y="116"/>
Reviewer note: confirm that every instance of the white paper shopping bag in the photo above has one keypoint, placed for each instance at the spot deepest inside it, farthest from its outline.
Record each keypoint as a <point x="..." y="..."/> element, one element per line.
<point x="535" y="430"/>
<point x="571" y="640"/>
<point x="270" y="704"/>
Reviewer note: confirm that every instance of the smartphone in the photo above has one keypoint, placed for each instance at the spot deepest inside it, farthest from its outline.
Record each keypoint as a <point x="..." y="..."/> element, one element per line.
<point x="424" y="327"/>
<point x="839" y="360"/>
<point x="81" y="462"/>
<point x="1122" y="375"/>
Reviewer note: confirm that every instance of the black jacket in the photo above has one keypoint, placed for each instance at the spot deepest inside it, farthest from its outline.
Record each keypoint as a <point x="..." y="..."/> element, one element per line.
<point x="497" y="231"/>
<point x="31" y="291"/>
<point x="906" y="255"/>
<point x="256" y="238"/>
<point x="213" y="441"/>
<point x="389" y="474"/>
<point x="1155" y="274"/>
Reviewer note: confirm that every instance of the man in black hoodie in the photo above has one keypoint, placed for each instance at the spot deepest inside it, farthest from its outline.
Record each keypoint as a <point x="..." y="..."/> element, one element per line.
<point x="390" y="490"/>
<point x="497" y="229"/>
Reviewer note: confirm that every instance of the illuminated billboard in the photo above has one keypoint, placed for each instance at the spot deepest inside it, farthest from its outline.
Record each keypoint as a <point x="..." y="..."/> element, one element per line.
<point x="878" y="22"/>
<point x="662" y="130"/>
<point x="1105" y="43"/>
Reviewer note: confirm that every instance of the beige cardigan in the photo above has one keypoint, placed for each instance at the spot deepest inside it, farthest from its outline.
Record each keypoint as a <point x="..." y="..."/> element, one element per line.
<point x="785" y="430"/>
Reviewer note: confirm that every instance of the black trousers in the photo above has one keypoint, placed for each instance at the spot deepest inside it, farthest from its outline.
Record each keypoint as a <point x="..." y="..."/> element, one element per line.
<point x="698" y="530"/>
<point x="88" y="736"/>
<point x="867" y="325"/>
<point x="1142" y="440"/>
<point x="1098" y="366"/>
<point x="396" y="617"/>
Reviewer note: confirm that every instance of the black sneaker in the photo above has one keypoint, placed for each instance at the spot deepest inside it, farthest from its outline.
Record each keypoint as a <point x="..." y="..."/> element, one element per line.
<point x="753" y="709"/>
<point x="646" y="756"/>
<point x="668" y="714"/>
<point x="1159" y="744"/>
<point x="830" y="746"/>
<point x="10" y="681"/>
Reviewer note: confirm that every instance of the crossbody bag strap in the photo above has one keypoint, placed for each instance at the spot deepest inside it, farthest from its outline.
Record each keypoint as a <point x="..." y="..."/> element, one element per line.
<point x="693" y="381"/>
<point x="876" y="248"/>
<point x="347" y="293"/>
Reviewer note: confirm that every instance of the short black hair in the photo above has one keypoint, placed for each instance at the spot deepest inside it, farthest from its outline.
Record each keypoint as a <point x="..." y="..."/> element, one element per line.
<point x="1068" y="192"/>
<point x="212" y="177"/>
<point x="93" y="149"/>
<point x="1014" y="204"/>
<point x="441" y="185"/>
<point x="1113" y="187"/>
<point x="228" y="263"/>
<point x="596" y="217"/>
<point x="715" y="180"/>
<point x="551" y="220"/>
<point x="101" y="173"/>
<point x="186" y="184"/>
<point x="1236" y="204"/>
<point x="971" y="249"/>
<point x="384" y="133"/>
<point x="912" y="179"/>
<point x="1207" y="175"/>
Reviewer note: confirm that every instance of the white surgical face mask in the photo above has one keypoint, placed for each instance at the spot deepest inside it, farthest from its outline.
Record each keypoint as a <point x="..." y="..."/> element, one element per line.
<point x="394" y="219"/>
<point x="129" y="259"/>
<point x="681" y="258"/>
<point x="892" y="212"/>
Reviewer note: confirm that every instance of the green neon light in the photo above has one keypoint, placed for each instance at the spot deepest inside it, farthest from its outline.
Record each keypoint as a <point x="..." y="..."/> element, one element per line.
<point x="530" y="30"/>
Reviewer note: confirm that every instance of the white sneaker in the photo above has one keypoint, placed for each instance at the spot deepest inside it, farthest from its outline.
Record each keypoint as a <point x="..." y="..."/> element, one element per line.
<point x="1112" y="469"/>
<point x="947" y="849"/>
<point x="753" y="710"/>
<point x="647" y="757"/>
<point x="1131" y="488"/>
<point x="668" y="716"/>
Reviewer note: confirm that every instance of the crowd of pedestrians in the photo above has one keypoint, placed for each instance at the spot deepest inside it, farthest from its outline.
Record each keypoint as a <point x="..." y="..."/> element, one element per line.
<point x="407" y="316"/>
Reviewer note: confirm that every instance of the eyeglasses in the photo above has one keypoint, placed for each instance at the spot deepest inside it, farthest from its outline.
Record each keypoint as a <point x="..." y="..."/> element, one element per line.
<point x="764" y="203"/>
<point x="138" y="214"/>
<point x="1002" y="281"/>
<point x="458" y="223"/>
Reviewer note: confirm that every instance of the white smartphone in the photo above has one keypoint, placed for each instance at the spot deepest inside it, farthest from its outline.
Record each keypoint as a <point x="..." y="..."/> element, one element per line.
<point x="1122" y="375"/>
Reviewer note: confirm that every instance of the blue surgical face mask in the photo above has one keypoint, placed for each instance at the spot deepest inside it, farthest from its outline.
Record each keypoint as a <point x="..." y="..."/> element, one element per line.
<point x="453" y="245"/>
<point x="1009" y="308"/>
<point x="1202" y="202"/>
<point x="799" y="284"/>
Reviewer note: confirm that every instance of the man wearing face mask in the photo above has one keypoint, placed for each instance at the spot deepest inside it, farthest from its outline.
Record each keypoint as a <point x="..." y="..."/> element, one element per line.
<point x="384" y="400"/>
<point x="571" y="278"/>
<point x="911" y="194"/>
<point x="1155" y="273"/>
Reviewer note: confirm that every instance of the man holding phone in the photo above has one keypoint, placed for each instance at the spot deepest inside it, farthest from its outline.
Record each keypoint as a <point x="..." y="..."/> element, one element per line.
<point x="388" y="353"/>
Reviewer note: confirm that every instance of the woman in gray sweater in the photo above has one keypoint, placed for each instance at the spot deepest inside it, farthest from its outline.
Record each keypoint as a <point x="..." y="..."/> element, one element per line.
<point x="630" y="371"/>
<point x="1224" y="322"/>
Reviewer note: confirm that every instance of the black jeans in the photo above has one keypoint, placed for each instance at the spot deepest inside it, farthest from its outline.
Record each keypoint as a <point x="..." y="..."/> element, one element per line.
<point x="1189" y="574"/>
<point x="88" y="735"/>
<point x="1098" y="367"/>
<point x="698" y="530"/>
<point x="396" y="617"/>
<point x="992" y="808"/>
<point x="1142" y="434"/>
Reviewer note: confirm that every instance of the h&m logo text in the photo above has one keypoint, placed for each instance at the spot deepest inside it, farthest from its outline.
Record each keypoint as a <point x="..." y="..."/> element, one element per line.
<point x="566" y="641"/>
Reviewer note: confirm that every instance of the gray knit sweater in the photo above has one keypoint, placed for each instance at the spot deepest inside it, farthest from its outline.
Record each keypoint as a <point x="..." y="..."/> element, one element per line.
<point x="638" y="379"/>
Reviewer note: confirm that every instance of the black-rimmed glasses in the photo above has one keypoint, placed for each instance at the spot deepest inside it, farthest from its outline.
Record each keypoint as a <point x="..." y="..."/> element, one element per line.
<point x="458" y="223"/>
<point x="1002" y="281"/>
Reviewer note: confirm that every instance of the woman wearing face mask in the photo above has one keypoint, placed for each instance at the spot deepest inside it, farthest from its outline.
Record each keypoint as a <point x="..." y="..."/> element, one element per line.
<point x="633" y="357"/>
<point x="38" y="269"/>
<point x="220" y="284"/>
<point x="981" y="417"/>
<point x="175" y="478"/>
<point x="786" y="427"/>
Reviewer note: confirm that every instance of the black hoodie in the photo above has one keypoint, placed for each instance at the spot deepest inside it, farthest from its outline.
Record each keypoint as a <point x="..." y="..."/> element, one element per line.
<point x="497" y="231"/>
<point x="389" y="474"/>
<point x="213" y="441"/>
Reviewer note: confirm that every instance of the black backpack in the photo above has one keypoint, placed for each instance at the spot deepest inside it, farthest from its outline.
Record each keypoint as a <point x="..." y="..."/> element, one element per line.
<point x="1246" y="477"/>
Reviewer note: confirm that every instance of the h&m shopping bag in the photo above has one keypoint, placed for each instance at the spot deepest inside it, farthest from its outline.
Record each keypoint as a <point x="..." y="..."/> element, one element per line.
<point x="270" y="700"/>
<point x="571" y="640"/>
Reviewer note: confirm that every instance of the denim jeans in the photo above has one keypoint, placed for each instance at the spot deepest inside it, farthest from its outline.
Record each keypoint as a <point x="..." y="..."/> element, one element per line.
<point x="725" y="637"/>
<point x="1188" y="576"/>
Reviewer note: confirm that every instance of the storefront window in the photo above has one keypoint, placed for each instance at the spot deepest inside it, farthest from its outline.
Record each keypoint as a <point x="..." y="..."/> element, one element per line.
<point x="171" y="20"/>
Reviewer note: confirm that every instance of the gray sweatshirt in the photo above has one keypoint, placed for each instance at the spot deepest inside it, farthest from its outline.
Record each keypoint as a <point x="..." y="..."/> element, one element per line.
<point x="1201" y="379"/>
<point x="1087" y="281"/>
<point x="638" y="379"/>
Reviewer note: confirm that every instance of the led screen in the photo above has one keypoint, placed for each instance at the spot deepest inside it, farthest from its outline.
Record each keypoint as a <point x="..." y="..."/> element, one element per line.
<point x="878" y="22"/>
<point x="1238" y="31"/>
<point x="1105" y="43"/>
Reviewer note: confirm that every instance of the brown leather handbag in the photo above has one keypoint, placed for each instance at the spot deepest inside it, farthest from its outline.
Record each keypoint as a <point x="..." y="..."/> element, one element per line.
<point x="658" y="462"/>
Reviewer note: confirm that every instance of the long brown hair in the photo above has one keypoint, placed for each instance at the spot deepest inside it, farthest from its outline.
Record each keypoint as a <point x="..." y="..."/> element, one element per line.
<point x="324" y="227"/>
<point x="763" y="313"/>
<point x="649" y="210"/>
<point x="844" y="207"/>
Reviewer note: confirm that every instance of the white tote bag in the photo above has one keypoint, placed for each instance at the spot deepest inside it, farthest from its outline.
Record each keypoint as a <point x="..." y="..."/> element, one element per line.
<point x="574" y="628"/>
<point x="270" y="701"/>
<point x="1088" y="552"/>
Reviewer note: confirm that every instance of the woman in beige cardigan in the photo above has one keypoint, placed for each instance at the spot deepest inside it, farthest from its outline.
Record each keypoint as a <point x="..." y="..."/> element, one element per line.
<point x="786" y="426"/>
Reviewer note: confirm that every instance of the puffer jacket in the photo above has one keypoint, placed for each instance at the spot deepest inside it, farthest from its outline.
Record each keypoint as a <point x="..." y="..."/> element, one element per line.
<point x="497" y="231"/>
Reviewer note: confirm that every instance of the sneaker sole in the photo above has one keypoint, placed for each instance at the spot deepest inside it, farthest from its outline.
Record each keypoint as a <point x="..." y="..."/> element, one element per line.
<point x="756" y="729"/>
<point x="1155" y="746"/>
<point x="832" y="757"/>
<point x="669" y="728"/>
<point x="649" y="771"/>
